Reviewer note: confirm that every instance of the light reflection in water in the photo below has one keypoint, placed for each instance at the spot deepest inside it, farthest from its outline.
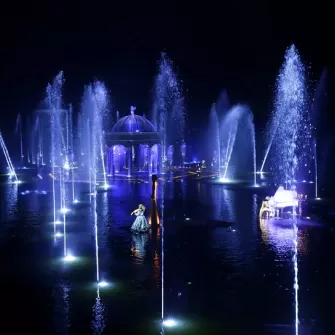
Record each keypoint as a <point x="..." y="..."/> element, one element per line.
<point x="139" y="246"/>
<point x="254" y="213"/>
<point x="156" y="258"/>
<point x="9" y="203"/>
<point x="98" y="323"/>
<point x="162" y="246"/>
<point x="61" y="295"/>
<point x="280" y="235"/>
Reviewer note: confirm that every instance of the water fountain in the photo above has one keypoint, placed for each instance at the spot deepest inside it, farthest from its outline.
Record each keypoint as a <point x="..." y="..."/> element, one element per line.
<point x="232" y="144"/>
<point x="59" y="155"/>
<point x="292" y="130"/>
<point x="238" y="140"/>
<point x="18" y="130"/>
<point x="93" y="112"/>
<point x="317" y="111"/>
<point x="214" y="140"/>
<point x="11" y="170"/>
<point x="169" y="112"/>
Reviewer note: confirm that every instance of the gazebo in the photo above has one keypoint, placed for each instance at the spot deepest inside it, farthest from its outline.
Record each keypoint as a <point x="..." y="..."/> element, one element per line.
<point x="133" y="145"/>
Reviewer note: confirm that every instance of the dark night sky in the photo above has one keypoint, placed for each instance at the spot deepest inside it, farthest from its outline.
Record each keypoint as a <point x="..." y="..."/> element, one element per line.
<point x="237" y="45"/>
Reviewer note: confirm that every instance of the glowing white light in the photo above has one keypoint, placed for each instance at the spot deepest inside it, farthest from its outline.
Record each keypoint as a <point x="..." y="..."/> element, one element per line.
<point x="225" y="180"/>
<point x="69" y="258"/>
<point x="64" y="210"/>
<point x="103" y="284"/>
<point x="75" y="201"/>
<point x="318" y="198"/>
<point x="58" y="235"/>
<point x="170" y="323"/>
<point x="187" y="219"/>
<point x="17" y="182"/>
<point x="66" y="166"/>
<point x="58" y="222"/>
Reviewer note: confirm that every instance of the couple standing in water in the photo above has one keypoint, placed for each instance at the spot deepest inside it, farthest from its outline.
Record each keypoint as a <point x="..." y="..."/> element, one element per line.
<point x="140" y="224"/>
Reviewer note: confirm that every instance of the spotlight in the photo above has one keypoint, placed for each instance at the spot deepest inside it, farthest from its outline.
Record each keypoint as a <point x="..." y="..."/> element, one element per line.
<point x="170" y="323"/>
<point x="103" y="284"/>
<point x="224" y="180"/>
<point x="64" y="210"/>
<point x="69" y="258"/>
<point x="66" y="166"/>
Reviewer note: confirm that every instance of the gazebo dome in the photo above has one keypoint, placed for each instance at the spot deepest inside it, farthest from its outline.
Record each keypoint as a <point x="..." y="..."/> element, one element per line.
<point x="133" y="124"/>
<point x="132" y="129"/>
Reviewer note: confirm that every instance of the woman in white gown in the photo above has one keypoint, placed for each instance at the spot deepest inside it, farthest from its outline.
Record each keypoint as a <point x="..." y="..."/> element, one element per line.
<point x="140" y="224"/>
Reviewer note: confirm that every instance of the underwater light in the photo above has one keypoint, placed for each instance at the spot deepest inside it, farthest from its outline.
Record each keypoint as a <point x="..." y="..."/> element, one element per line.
<point x="69" y="258"/>
<point x="103" y="284"/>
<point x="170" y="323"/>
<point x="225" y="180"/>
<point x="58" y="222"/>
<point x="64" y="210"/>
<point x="58" y="235"/>
<point x="75" y="201"/>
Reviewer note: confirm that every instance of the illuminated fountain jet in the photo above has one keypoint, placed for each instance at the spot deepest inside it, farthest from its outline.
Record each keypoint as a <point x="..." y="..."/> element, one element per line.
<point x="12" y="173"/>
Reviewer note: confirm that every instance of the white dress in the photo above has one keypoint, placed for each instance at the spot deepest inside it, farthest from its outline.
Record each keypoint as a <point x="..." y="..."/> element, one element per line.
<point x="140" y="224"/>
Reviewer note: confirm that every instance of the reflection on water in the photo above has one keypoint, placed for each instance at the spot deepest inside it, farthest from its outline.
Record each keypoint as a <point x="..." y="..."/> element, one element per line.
<point x="9" y="202"/>
<point x="280" y="233"/>
<point x="61" y="296"/>
<point x="98" y="324"/>
<point x="139" y="246"/>
<point x="223" y="268"/>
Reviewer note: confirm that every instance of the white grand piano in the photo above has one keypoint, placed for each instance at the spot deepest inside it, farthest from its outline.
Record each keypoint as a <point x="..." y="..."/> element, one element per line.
<point x="284" y="198"/>
<point x="274" y="206"/>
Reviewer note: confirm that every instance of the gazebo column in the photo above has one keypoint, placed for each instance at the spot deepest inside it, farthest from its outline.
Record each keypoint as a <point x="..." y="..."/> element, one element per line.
<point x="111" y="159"/>
<point x="107" y="159"/>
<point x="129" y="153"/>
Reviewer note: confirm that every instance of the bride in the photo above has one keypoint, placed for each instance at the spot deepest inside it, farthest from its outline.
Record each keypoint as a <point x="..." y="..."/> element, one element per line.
<point x="140" y="224"/>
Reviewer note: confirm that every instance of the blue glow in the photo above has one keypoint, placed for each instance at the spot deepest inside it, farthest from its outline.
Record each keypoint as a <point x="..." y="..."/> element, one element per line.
<point x="12" y="173"/>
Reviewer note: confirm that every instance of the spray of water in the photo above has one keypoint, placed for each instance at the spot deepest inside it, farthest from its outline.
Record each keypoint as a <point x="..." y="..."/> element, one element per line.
<point x="101" y="104"/>
<point x="292" y="136"/>
<point x="163" y="252"/>
<point x="318" y="107"/>
<point x="58" y="150"/>
<point x="169" y="111"/>
<point x="214" y="139"/>
<point x="238" y="139"/>
<point x="12" y="173"/>
<point x="18" y="130"/>
<point x="94" y="110"/>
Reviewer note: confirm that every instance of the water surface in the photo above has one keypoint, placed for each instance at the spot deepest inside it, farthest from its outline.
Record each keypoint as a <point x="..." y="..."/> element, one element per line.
<point x="225" y="272"/>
